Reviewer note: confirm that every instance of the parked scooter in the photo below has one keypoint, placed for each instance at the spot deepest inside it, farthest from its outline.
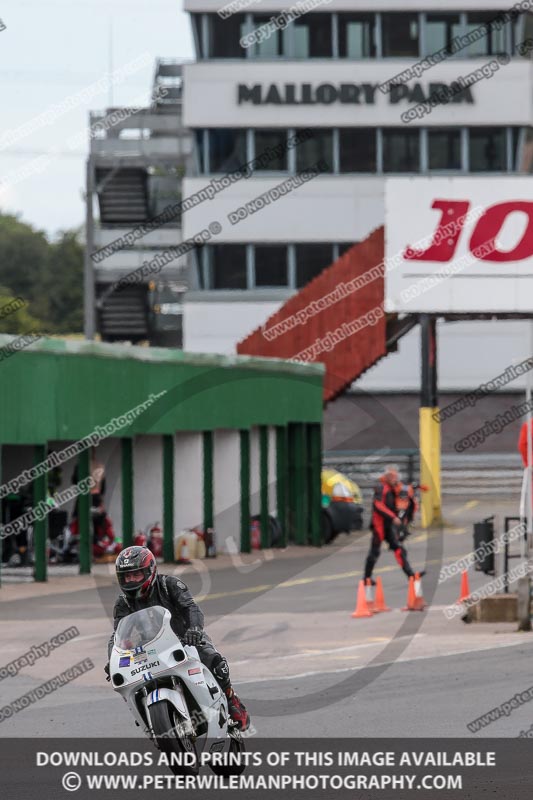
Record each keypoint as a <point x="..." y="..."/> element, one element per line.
<point x="173" y="696"/>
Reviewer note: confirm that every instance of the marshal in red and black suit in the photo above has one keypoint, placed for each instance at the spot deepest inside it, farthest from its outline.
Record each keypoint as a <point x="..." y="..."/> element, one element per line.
<point x="383" y="524"/>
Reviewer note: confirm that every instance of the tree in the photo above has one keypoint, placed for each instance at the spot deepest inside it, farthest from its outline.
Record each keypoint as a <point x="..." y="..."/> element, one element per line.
<point x="19" y="320"/>
<point x="23" y="261"/>
<point x="63" y="285"/>
<point x="47" y="275"/>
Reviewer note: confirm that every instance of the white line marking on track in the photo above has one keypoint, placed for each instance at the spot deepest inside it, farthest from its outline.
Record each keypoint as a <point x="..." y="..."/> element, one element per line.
<point x="379" y="664"/>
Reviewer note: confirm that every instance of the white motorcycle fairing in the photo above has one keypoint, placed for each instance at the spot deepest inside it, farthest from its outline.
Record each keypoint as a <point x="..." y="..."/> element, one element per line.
<point x="149" y="665"/>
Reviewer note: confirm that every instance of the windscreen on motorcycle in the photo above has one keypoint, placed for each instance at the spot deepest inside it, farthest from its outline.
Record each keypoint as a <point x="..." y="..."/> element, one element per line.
<point x="139" y="628"/>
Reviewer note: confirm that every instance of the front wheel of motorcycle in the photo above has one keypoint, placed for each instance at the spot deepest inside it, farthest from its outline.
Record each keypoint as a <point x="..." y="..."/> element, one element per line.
<point x="236" y="747"/>
<point x="173" y="740"/>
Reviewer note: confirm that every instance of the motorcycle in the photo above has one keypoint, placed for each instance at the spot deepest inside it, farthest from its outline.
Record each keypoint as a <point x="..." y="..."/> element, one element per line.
<point x="173" y="696"/>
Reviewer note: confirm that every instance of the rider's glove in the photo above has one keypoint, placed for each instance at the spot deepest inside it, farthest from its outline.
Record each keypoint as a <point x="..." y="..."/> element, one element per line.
<point x="106" y="670"/>
<point x="193" y="636"/>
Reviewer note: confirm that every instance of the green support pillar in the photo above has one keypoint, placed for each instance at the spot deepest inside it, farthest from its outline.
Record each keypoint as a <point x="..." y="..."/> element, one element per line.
<point x="127" y="491"/>
<point x="1" y="543"/>
<point x="263" y="486"/>
<point x="40" y="527"/>
<point x="84" y="514"/>
<point x="298" y="503"/>
<point x="245" y="490"/>
<point x="314" y="449"/>
<point x="168" y="498"/>
<point x="282" y="474"/>
<point x="208" y="479"/>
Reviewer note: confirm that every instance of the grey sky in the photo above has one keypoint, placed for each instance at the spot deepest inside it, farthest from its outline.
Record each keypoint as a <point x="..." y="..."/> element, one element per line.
<point x="52" y="49"/>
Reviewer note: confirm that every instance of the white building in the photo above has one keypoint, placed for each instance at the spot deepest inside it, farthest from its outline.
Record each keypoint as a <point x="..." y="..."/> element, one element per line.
<point x="323" y="72"/>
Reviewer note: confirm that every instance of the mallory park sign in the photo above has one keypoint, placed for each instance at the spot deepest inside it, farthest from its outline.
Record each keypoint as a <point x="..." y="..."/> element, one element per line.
<point x="294" y="94"/>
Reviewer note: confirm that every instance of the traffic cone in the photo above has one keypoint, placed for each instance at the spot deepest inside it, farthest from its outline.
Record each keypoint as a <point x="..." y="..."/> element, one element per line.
<point x="361" y="609"/>
<point x="420" y="603"/>
<point x="465" y="589"/>
<point x="411" y="599"/>
<point x="369" y="594"/>
<point x="379" y="604"/>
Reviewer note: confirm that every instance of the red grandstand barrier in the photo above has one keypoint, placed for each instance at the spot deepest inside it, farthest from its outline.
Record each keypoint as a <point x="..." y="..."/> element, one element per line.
<point x="337" y="319"/>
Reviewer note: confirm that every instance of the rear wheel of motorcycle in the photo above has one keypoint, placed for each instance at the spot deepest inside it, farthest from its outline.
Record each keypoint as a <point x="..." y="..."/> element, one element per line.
<point x="166" y="724"/>
<point x="236" y="746"/>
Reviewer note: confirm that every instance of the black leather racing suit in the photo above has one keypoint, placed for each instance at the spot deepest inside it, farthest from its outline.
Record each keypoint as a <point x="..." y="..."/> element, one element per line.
<point x="173" y="594"/>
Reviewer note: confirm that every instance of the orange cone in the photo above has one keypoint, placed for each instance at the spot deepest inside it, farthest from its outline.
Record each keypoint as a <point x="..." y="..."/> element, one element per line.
<point x="380" y="604"/>
<point x="465" y="589"/>
<point x="369" y="595"/>
<point x="420" y="603"/>
<point x="361" y="609"/>
<point x="411" y="599"/>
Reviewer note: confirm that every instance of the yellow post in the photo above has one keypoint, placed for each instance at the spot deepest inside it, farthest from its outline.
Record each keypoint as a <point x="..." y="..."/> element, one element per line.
<point x="430" y="501"/>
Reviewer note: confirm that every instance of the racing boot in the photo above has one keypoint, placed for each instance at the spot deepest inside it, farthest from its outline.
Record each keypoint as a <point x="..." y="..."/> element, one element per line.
<point x="237" y="710"/>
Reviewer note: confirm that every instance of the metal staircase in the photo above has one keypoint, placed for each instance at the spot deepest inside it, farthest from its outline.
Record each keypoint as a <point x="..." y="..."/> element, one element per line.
<point x="124" y="315"/>
<point x="122" y="195"/>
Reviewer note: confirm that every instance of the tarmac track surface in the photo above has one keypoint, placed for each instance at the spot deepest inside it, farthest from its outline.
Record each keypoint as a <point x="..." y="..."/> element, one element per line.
<point x="300" y="662"/>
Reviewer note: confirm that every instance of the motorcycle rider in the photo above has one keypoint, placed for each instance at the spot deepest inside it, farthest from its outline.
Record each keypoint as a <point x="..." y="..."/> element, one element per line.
<point x="385" y="523"/>
<point x="142" y="587"/>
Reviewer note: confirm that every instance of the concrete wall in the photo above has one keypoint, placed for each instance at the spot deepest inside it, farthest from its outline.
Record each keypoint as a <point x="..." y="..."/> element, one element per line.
<point x="188" y="481"/>
<point x="226" y="466"/>
<point x="148" y="481"/>
<point x="217" y="327"/>
<point x="210" y="103"/>
<point x="266" y="6"/>
<point x="254" y="472"/>
<point x="109" y="454"/>
<point x="464" y="347"/>
<point x="373" y="421"/>
<point x="355" y="207"/>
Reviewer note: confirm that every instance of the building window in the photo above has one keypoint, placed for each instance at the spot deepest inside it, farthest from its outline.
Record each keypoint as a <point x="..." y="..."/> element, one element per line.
<point x="228" y="266"/>
<point x="196" y="22"/>
<point x="311" y="259"/>
<point x="487" y="40"/>
<point x="344" y="247"/>
<point x="357" y="149"/>
<point x="271" y="47"/>
<point x="265" y="141"/>
<point x="444" y="149"/>
<point x="522" y="29"/>
<point x="401" y="150"/>
<point x="227" y="149"/>
<point x="488" y="150"/>
<point x="225" y="35"/>
<point x="200" y="152"/>
<point x="356" y="36"/>
<point x="270" y="265"/>
<point x="319" y="147"/>
<point x="312" y="36"/>
<point x="400" y="35"/>
<point x="440" y="31"/>
<point x="515" y="149"/>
